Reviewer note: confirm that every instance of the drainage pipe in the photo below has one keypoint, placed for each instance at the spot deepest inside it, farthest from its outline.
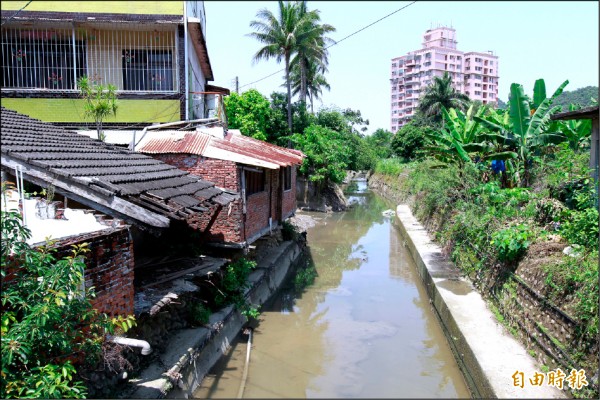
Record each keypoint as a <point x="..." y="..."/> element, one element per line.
<point x="246" y="365"/>
<point x="145" y="346"/>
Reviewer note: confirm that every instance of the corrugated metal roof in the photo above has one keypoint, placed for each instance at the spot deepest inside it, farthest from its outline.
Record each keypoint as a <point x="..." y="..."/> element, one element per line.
<point x="234" y="147"/>
<point x="174" y="142"/>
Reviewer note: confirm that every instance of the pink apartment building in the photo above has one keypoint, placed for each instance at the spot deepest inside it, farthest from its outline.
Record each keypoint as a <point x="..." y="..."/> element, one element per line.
<point x="473" y="73"/>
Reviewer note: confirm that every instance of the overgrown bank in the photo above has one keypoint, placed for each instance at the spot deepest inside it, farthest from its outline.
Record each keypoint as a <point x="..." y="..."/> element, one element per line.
<point x="511" y="243"/>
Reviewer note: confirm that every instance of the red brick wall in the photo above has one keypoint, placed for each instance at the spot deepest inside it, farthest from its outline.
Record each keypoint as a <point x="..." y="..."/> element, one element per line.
<point x="109" y="268"/>
<point x="227" y="225"/>
<point x="222" y="173"/>
<point x="289" y="197"/>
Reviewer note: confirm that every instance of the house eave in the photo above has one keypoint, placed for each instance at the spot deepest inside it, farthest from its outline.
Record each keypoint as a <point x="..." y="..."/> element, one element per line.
<point x="110" y="205"/>
<point x="199" y="43"/>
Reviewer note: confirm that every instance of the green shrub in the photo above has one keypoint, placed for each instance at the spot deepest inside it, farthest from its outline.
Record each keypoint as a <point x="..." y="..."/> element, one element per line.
<point x="407" y="142"/>
<point x="390" y="166"/>
<point x="289" y="231"/>
<point x="305" y="276"/>
<point x="233" y="284"/>
<point x="199" y="314"/>
<point x="581" y="227"/>
<point x="511" y="243"/>
<point x="49" y="327"/>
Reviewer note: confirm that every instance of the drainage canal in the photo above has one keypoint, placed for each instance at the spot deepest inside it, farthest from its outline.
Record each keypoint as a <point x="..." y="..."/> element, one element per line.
<point x="363" y="329"/>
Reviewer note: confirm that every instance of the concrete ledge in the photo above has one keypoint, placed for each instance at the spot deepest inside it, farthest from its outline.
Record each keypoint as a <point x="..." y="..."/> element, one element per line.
<point x="487" y="355"/>
<point x="193" y="352"/>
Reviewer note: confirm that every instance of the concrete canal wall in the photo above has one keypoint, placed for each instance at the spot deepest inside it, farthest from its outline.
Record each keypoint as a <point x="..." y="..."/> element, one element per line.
<point x="193" y="352"/>
<point x="486" y="353"/>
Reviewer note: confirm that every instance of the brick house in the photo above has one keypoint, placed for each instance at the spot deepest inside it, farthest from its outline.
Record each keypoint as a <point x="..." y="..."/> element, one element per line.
<point x="142" y="194"/>
<point x="154" y="52"/>
<point x="264" y="174"/>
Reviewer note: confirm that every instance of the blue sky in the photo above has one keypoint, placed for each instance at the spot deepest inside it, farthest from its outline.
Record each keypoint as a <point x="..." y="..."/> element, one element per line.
<point x="553" y="40"/>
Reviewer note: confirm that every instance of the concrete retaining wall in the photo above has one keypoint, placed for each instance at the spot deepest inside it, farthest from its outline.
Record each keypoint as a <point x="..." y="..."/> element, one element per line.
<point x="487" y="355"/>
<point x="193" y="352"/>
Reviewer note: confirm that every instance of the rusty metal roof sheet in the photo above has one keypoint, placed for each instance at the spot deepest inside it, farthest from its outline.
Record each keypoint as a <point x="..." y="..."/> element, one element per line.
<point x="233" y="147"/>
<point x="174" y="142"/>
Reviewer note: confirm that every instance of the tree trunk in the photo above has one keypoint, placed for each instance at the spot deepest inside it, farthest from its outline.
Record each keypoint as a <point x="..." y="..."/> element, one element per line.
<point x="289" y="94"/>
<point x="303" y="82"/>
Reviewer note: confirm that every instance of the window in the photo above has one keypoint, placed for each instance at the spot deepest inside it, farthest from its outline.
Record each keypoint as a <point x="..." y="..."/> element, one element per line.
<point x="147" y="70"/>
<point x="255" y="181"/>
<point x="287" y="178"/>
<point x="41" y="59"/>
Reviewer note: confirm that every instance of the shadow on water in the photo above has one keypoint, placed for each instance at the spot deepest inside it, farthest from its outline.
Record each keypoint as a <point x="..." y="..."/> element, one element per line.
<point x="364" y="328"/>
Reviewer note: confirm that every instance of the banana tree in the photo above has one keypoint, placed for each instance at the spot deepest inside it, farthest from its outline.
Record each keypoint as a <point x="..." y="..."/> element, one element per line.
<point x="457" y="139"/>
<point x="528" y="127"/>
<point x="576" y="131"/>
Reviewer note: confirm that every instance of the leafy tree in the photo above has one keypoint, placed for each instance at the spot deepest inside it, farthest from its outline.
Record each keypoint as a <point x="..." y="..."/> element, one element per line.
<point x="458" y="137"/>
<point x="440" y="94"/>
<point x="326" y="154"/>
<point x="249" y="112"/>
<point x="407" y="142"/>
<point x="48" y="324"/>
<point x="100" y="101"/>
<point x="380" y="141"/>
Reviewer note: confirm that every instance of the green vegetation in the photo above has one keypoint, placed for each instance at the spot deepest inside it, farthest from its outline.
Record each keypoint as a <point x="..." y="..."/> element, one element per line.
<point x="441" y="94"/>
<point x="49" y="329"/>
<point x="305" y="276"/>
<point x="100" y="101"/>
<point x="582" y="97"/>
<point x="232" y="286"/>
<point x="292" y="31"/>
<point x="248" y="112"/>
<point x="495" y="184"/>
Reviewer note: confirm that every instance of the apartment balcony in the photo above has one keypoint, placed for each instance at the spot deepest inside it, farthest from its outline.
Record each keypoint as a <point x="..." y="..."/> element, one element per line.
<point x="55" y="58"/>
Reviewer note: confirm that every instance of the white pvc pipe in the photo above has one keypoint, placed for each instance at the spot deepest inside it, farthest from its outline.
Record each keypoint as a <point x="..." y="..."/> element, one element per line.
<point x="145" y="346"/>
<point x="246" y="366"/>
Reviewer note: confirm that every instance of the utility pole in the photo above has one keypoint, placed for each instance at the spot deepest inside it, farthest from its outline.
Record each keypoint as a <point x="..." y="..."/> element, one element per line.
<point x="237" y="85"/>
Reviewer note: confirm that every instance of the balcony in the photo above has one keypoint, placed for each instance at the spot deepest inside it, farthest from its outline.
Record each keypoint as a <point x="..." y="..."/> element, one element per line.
<point x="55" y="58"/>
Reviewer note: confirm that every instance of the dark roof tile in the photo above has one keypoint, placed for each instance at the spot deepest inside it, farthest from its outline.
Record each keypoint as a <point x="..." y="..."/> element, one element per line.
<point x="105" y="169"/>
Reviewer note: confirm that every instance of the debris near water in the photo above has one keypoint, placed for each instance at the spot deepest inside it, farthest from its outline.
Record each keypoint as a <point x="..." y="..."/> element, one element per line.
<point x="388" y="213"/>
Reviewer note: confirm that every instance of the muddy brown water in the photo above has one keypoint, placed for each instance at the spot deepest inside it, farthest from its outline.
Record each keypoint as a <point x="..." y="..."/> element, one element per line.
<point x="365" y="328"/>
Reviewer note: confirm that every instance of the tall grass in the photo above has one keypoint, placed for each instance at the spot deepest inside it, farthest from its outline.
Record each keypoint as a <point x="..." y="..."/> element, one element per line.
<point x="390" y="166"/>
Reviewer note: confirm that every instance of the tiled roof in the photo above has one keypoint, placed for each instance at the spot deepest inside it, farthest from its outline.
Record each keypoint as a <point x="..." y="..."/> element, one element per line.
<point x="113" y="177"/>
<point x="209" y="143"/>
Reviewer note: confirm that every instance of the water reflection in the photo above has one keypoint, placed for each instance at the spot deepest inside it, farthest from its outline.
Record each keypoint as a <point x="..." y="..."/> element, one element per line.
<point x="364" y="329"/>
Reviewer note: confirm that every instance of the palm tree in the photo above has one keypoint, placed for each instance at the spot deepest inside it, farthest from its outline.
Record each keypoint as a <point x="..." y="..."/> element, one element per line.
<point x="441" y="94"/>
<point x="312" y="49"/>
<point x="279" y="34"/>
<point x="315" y="82"/>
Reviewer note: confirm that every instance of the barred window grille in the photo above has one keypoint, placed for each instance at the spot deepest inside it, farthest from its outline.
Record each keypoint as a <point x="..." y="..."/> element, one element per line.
<point x="54" y="58"/>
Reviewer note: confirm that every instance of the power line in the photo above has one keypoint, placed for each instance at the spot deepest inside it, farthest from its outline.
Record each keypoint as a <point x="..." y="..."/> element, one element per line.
<point x="15" y="14"/>
<point x="337" y="42"/>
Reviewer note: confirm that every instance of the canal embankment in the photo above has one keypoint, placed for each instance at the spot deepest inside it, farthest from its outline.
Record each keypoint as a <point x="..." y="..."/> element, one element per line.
<point x="486" y="353"/>
<point x="191" y="352"/>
